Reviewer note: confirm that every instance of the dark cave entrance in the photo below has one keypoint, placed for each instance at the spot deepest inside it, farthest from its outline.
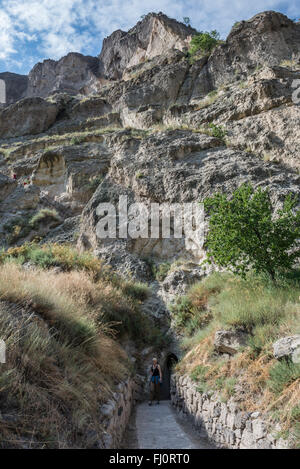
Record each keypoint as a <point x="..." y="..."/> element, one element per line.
<point x="169" y="363"/>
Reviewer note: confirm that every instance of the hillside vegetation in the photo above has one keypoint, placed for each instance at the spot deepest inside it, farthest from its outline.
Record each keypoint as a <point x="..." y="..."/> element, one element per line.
<point x="62" y="329"/>
<point x="266" y="311"/>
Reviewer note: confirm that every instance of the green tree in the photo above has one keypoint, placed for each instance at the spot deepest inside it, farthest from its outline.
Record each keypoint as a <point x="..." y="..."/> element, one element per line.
<point x="186" y="20"/>
<point x="204" y="42"/>
<point x="245" y="234"/>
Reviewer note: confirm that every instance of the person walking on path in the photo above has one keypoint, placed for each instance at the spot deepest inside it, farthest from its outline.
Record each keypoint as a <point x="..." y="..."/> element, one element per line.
<point x="155" y="381"/>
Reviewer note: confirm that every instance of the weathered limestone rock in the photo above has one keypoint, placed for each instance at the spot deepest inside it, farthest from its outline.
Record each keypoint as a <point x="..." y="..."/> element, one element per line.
<point x="89" y="108"/>
<point x="247" y="440"/>
<point x="7" y="185"/>
<point x="177" y="281"/>
<point x="288" y="347"/>
<point x="229" y="341"/>
<point x="72" y="173"/>
<point x="259" y="428"/>
<point x="108" y="409"/>
<point x="22" y="198"/>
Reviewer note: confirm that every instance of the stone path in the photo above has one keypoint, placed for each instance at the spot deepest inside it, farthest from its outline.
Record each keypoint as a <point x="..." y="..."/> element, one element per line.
<point x="157" y="427"/>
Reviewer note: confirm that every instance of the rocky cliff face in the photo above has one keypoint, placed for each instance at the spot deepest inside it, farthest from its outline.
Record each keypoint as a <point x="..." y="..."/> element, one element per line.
<point x="72" y="74"/>
<point x="145" y="133"/>
<point x="79" y="74"/>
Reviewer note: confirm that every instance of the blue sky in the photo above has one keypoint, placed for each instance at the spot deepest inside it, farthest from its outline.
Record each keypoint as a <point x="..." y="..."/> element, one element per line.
<point x="34" y="30"/>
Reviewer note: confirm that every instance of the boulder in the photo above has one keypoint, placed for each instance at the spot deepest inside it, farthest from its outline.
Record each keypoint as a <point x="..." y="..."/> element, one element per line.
<point x="259" y="428"/>
<point x="229" y="341"/>
<point x="288" y="347"/>
<point x="108" y="409"/>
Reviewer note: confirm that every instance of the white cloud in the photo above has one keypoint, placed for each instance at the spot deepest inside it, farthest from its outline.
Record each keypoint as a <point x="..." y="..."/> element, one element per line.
<point x="56" y="27"/>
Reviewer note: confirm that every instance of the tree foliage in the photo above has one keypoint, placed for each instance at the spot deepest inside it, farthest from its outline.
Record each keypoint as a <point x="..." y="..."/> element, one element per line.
<point x="204" y="42"/>
<point x="244" y="234"/>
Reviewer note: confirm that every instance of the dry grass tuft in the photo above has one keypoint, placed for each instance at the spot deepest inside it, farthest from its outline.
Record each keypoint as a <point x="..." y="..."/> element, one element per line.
<point x="63" y="359"/>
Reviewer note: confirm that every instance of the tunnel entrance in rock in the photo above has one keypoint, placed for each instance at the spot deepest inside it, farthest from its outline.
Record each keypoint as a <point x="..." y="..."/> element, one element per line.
<point x="167" y="367"/>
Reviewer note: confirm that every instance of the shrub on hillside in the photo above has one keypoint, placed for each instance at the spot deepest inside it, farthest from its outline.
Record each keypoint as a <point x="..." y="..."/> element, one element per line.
<point x="16" y="229"/>
<point x="244" y="234"/>
<point x="136" y="290"/>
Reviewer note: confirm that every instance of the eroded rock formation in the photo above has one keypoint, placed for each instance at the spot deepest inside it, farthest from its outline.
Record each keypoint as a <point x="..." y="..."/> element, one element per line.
<point x="136" y="121"/>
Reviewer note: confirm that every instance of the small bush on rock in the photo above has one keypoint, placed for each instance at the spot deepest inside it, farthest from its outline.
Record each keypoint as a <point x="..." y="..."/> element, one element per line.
<point x="203" y="43"/>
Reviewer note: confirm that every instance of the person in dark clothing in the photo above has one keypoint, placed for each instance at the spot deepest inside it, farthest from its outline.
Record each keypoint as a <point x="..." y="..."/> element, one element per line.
<point x="155" y="381"/>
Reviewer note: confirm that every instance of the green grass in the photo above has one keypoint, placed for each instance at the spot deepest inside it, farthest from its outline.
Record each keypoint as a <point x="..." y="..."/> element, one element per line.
<point x="77" y="140"/>
<point x="191" y="312"/>
<point x="265" y="310"/>
<point x="255" y="304"/>
<point x="92" y="185"/>
<point x="198" y="376"/>
<point x="295" y="413"/>
<point x="198" y="372"/>
<point x="158" y="271"/>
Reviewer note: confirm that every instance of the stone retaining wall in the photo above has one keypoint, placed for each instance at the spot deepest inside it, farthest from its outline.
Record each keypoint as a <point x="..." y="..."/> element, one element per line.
<point x="116" y="412"/>
<point x="224" y="424"/>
